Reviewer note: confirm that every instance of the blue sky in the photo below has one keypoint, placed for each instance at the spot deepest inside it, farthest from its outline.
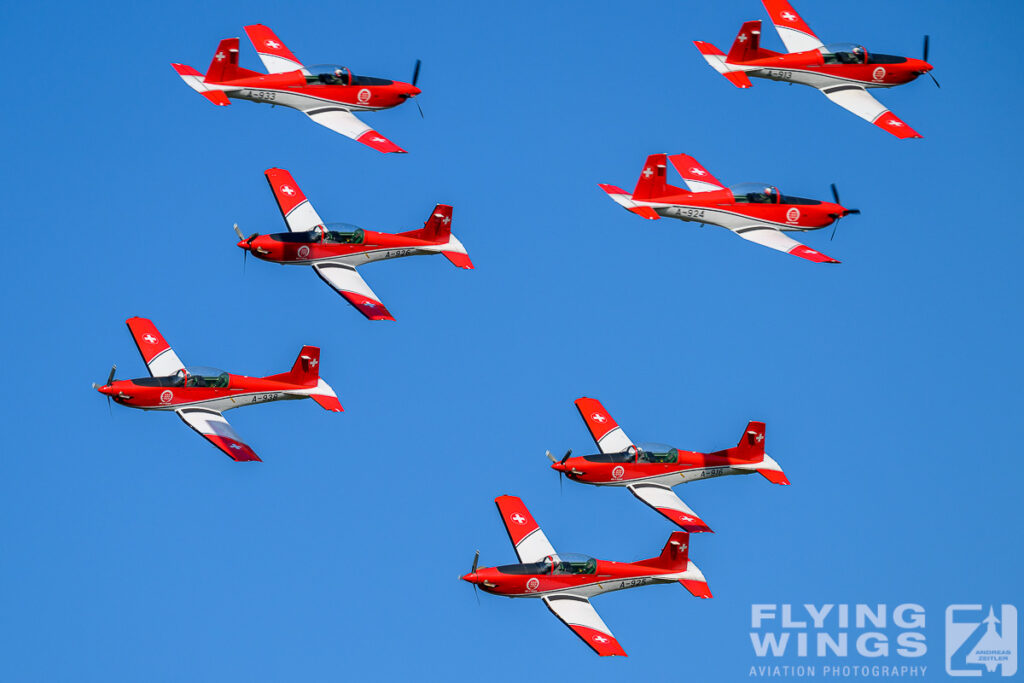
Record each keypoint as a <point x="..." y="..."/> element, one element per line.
<point x="890" y="384"/>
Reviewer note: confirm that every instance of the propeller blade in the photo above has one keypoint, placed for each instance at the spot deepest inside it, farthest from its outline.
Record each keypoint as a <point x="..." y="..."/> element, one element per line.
<point x="926" y="40"/>
<point x="835" y="194"/>
<point x="251" y="237"/>
<point x="566" y="456"/>
<point x="476" y="592"/>
<point x="110" y="377"/>
<point x="109" y="409"/>
<point x="421" y="108"/>
<point x="934" y="80"/>
<point x="238" y="232"/>
<point x="416" y="72"/>
<point x="835" y="226"/>
<point x="476" y="559"/>
<point x="547" y="453"/>
<point x="853" y="212"/>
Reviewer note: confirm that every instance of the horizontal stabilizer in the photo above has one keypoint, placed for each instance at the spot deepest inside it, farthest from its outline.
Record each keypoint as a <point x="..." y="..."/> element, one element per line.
<point x="699" y="589"/>
<point x="716" y="58"/>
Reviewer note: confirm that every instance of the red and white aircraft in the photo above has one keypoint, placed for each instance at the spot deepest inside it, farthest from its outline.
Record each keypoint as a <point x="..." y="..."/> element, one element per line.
<point x="199" y="395"/>
<point x="842" y="72"/>
<point x="649" y="471"/>
<point x="756" y="212"/>
<point x="565" y="582"/>
<point x="335" y="249"/>
<point x="328" y="94"/>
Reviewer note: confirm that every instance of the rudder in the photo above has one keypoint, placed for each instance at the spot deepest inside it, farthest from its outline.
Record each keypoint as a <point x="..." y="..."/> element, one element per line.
<point x="652" y="179"/>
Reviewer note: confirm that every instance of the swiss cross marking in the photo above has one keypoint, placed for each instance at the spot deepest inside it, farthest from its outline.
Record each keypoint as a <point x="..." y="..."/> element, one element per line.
<point x="235" y="446"/>
<point x="894" y="122"/>
<point x="742" y="38"/>
<point x="288" y="190"/>
<point x="313" y="363"/>
<point x="272" y="44"/>
<point x="759" y="438"/>
<point x="648" y="172"/>
<point x="788" y="16"/>
<point x="219" y="56"/>
<point x="697" y="171"/>
<point x="598" y="417"/>
<point x="379" y="139"/>
<point x="518" y="518"/>
<point x="600" y="639"/>
<point x="150" y="338"/>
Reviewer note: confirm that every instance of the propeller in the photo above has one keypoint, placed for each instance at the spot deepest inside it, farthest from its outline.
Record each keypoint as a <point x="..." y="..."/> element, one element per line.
<point x="415" y="79"/>
<point x="416" y="69"/>
<point x="560" y="462"/>
<point x="925" y="58"/>
<point x="476" y="591"/>
<point x="249" y="239"/>
<point x="837" y="216"/>
<point x="110" y="380"/>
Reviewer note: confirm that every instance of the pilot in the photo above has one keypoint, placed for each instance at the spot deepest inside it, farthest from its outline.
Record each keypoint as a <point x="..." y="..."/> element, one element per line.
<point x="339" y="77"/>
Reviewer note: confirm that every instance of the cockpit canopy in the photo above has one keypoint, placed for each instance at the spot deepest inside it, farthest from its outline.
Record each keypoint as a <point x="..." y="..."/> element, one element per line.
<point x="560" y="564"/>
<point x="336" y="74"/>
<point x="657" y="452"/>
<point x="844" y="53"/>
<point x="756" y="193"/>
<point x="196" y="376"/>
<point x="643" y="452"/>
<point x="331" y="233"/>
<point x="200" y="376"/>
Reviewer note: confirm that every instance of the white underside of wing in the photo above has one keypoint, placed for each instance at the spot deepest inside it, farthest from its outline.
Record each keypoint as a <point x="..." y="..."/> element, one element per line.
<point x="534" y="547"/>
<point x="303" y="218"/>
<point x="797" y="41"/>
<point x="279" y="65"/>
<point x="339" y="120"/>
<point x="856" y="100"/>
<point x="165" y="363"/>
<point x="576" y="610"/>
<point x="345" y="279"/>
<point x="767" y="237"/>
<point x="614" y="441"/>
<point x="658" y="496"/>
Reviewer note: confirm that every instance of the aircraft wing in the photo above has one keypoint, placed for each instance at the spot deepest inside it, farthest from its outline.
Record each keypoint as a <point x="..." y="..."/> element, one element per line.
<point x="298" y="213"/>
<point x="347" y="282"/>
<point x="156" y="352"/>
<point x="666" y="502"/>
<point x="577" y="613"/>
<point x="793" y="30"/>
<point x="769" y="237"/>
<point x="857" y="100"/>
<point x="608" y="435"/>
<point x="345" y="122"/>
<point x="277" y="58"/>
<point x="694" y="175"/>
<point x="212" y="426"/>
<point x="529" y="541"/>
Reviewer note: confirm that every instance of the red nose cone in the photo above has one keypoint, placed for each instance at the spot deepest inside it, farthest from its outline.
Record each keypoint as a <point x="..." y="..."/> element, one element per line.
<point x="107" y="390"/>
<point x="558" y="467"/>
<point x="471" y="578"/>
<point x="243" y="244"/>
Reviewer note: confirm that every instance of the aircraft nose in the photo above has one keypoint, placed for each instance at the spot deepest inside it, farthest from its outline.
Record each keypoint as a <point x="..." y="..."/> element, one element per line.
<point x="471" y="578"/>
<point x="558" y="467"/>
<point x="243" y="244"/>
<point x="107" y="390"/>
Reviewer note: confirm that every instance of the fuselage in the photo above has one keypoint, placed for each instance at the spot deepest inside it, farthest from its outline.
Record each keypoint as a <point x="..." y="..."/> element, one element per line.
<point x="820" y="70"/>
<point x="348" y="248"/>
<point x="537" y="579"/>
<point x="220" y="393"/>
<point x="720" y="207"/>
<point x="294" y="89"/>
<point x="667" y="469"/>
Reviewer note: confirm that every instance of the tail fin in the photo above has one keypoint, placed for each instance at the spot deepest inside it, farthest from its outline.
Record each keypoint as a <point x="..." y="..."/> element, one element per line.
<point x="652" y="179"/>
<point x="676" y="553"/>
<point x="438" y="228"/>
<point x="305" y="370"/>
<point x="751" y="445"/>
<point x="747" y="45"/>
<point x="751" y="449"/>
<point x="224" y="66"/>
<point x="717" y="60"/>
